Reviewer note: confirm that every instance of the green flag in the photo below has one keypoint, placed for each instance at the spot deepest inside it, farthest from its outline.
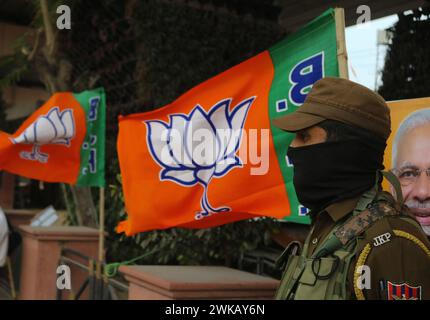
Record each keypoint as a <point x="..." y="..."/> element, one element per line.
<point x="92" y="170"/>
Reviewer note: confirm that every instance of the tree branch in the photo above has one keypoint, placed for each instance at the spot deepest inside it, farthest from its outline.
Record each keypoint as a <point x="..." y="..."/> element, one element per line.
<point x="49" y="31"/>
<point x="36" y="45"/>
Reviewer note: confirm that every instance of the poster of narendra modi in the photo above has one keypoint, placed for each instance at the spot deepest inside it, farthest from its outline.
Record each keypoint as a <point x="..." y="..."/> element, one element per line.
<point x="408" y="155"/>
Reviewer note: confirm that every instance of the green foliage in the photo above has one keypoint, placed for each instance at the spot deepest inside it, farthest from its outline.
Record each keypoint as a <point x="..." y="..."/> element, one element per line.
<point x="406" y="71"/>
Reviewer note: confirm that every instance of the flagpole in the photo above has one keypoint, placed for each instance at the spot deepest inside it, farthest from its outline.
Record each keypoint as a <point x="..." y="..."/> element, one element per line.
<point x="101" y="224"/>
<point x="342" y="57"/>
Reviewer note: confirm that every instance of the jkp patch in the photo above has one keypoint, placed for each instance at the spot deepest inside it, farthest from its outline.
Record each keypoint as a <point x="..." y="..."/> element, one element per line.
<point x="381" y="239"/>
<point x="403" y="291"/>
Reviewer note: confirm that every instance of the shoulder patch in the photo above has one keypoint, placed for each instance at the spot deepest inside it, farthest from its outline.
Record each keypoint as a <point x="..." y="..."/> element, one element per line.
<point x="357" y="224"/>
<point x="381" y="239"/>
<point x="403" y="291"/>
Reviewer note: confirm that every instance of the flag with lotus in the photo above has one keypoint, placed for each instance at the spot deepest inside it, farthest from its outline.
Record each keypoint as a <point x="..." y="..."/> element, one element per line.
<point x="62" y="141"/>
<point x="212" y="156"/>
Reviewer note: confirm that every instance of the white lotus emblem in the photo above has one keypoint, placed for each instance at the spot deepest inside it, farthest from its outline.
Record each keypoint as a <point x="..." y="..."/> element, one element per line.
<point x="196" y="147"/>
<point x="53" y="128"/>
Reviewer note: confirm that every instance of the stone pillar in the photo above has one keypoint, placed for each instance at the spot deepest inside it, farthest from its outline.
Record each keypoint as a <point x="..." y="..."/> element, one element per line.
<point x="41" y="248"/>
<point x="196" y="282"/>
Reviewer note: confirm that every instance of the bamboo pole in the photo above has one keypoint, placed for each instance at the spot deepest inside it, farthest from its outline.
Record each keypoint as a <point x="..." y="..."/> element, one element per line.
<point x="101" y="224"/>
<point x="342" y="57"/>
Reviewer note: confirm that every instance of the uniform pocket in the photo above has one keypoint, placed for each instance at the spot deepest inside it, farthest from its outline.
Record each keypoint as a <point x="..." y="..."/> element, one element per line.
<point x="317" y="278"/>
<point x="289" y="277"/>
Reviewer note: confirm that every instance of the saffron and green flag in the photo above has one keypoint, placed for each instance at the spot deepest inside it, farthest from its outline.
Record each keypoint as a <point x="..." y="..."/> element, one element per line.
<point x="168" y="181"/>
<point x="62" y="141"/>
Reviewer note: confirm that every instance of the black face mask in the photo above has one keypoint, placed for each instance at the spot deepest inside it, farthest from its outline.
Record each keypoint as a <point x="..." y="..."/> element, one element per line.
<point x="328" y="172"/>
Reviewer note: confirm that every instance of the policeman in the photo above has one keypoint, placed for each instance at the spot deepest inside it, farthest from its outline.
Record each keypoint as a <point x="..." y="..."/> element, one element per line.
<point x="363" y="243"/>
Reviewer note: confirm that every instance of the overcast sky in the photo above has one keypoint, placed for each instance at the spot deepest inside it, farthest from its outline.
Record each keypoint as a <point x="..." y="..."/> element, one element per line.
<point x="362" y="50"/>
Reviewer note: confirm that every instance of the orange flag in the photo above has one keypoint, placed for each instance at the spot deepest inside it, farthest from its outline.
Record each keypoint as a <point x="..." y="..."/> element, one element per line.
<point x="62" y="141"/>
<point x="212" y="157"/>
<point x="164" y="190"/>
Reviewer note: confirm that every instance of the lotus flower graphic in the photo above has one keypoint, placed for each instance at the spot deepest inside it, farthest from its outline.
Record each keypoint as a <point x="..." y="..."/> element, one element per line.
<point x="186" y="158"/>
<point x="53" y="128"/>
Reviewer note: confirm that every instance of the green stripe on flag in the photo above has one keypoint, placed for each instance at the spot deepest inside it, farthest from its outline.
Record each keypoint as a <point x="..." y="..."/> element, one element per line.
<point x="92" y="170"/>
<point x="299" y="61"/>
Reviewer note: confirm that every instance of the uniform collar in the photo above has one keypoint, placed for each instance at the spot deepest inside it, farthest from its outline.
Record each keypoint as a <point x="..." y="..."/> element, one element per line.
<point x="340" y="209"/>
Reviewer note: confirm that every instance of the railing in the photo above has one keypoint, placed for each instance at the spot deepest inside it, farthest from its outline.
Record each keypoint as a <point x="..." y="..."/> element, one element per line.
<point x="100" y="287"/>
